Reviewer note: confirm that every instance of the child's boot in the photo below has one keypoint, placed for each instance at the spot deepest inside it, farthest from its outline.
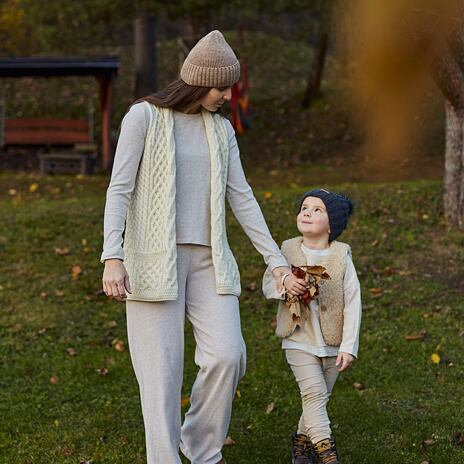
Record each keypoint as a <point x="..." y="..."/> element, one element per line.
<point x="326" y="451"/>
<point x="301" y="449"/>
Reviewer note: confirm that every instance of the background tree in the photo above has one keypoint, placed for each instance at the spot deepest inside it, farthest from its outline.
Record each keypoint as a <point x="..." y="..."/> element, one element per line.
<point x="449" y="75"/>
<point x="402" y="43"/>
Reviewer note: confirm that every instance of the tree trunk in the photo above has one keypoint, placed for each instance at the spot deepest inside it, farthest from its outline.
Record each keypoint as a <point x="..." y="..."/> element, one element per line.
<point x="454" y="167"/>
<point x="145" y="54"/>
<point x="313" y="87"/>
<point x="188" y="32"/>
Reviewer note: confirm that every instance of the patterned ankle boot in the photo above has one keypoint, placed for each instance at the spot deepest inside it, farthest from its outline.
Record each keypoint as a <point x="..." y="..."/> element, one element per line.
<point x="301" y="449"/>
<point x="326" y="451"/>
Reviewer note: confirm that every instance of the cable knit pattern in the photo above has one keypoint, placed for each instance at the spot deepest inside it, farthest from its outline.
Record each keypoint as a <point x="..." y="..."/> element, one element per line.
<point x="150" y="237"/>
<point x="331" y="296"/>
<point x="226" y="269"/>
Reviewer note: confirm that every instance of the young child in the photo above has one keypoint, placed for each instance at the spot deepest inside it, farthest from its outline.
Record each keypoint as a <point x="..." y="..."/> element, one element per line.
<point x="323" y="341"/>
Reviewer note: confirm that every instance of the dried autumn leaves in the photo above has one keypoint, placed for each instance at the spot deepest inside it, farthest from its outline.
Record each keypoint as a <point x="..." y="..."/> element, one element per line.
<point x="117" y="344"/>
<point x="312" y="275"/>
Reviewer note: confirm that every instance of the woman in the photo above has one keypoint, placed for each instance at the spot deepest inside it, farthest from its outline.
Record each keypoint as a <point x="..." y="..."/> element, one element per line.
<point x="175" y="163"/>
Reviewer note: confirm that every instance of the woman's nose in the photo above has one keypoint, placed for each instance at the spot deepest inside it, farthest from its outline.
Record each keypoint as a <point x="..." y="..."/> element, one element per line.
<point x="228" y="94"/>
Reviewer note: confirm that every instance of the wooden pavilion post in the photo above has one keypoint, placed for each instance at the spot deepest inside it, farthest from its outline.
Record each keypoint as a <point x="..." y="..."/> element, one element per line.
<point x="106" y="99"/>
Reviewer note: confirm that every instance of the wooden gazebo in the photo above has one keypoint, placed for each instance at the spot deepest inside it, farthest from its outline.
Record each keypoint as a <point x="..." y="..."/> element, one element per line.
<point x="103" y="69"/>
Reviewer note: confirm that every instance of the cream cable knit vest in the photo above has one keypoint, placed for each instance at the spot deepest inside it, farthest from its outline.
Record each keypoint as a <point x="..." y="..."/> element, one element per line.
<point x="331" y="299"/>
<point x="150" y="236"/>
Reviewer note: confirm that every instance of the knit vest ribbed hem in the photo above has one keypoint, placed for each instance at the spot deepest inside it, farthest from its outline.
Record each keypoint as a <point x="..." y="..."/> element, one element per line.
<point x="150" y="238"/>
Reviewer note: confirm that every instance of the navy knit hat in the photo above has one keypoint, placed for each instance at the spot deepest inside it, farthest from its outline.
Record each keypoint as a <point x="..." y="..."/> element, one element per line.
<point x="338" y="209"/>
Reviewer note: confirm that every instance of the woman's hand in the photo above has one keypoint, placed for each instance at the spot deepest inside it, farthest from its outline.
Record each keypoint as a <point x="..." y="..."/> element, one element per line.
<point x="291" y="283"/>
<point x="344" y="360"/>
<point x="115" y="279"/>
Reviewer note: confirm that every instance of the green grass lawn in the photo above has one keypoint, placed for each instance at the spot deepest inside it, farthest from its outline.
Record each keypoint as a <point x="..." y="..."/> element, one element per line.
<point x="69" y="396"/>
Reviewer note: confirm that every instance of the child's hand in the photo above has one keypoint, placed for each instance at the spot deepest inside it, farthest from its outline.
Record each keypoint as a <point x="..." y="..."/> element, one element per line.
<point x="294" y="285"/>
<point x="344" y="360"/>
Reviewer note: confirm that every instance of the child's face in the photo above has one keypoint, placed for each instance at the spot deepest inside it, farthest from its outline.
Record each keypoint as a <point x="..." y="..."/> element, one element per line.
<point x="312" y="220"/>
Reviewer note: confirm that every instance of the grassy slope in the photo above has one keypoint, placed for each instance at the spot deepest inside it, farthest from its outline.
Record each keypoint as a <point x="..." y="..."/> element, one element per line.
<point x="86" y="416"/>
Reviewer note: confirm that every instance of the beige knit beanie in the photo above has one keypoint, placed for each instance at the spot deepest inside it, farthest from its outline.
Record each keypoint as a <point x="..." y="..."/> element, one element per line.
<point x="211" y="63"/>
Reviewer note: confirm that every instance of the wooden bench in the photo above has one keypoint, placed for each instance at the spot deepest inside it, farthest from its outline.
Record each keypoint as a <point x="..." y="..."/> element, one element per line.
<point x="68" y="143"/>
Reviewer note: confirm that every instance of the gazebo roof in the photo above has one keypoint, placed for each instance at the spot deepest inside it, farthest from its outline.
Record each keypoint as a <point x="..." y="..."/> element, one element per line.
<point x="56" y="66"/>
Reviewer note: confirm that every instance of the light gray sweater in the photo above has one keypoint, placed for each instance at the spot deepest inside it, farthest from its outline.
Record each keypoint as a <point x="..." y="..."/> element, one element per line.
<point x="192" y="186"/>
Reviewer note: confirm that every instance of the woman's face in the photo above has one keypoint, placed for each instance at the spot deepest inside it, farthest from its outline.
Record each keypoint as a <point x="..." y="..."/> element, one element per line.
<point x="215" y="98"/>
<point x="312" y="218"/>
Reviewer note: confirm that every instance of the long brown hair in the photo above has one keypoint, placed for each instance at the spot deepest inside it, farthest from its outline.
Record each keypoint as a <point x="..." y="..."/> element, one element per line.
<point x="177" y="95"/>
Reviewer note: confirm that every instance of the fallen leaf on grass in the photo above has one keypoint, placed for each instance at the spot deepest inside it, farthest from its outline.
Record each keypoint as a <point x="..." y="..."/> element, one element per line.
<point x="185" y="401"/>
<point x="65" y="451"/>
<point x="76" y="271"/>
<point x="435" y="358"/>
<point x="252" y="286"/>
<point x="270" y="408"/>
<point x="418" y="336"/>
<point x="43" y="295"/>
<point x="54" y="379"/>
<point x="375" y="290"/>
<point x="267" y="195"/>
<point x="359" y="386"/>
<point x="229" y="442"/>
<point x="119" y="346"/>
<point x="33" y="187"/>
<point x="238" y="393"/>
<point x="102" y="371"/>
<point x="112" y="324"/>
<point x="71" y="351"/>
<point x="428" y="442"/>
<point x="441" y="378"/>
<point x="458" y="438"/>
<point x="62" y="251"/>
<point x="59" y="293"/>
<point x="404" y="273"/>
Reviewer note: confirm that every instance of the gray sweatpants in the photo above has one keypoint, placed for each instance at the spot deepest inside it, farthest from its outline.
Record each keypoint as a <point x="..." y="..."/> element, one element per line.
<point x="316" y="378"/>
<point x="156" y="342"/>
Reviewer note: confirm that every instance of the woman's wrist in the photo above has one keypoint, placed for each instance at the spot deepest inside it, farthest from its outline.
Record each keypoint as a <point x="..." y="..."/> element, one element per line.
<point x="110" y="260"/>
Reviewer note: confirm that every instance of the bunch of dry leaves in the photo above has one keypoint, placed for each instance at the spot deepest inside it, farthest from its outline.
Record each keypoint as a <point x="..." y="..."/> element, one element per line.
<point x="312" y="275"/>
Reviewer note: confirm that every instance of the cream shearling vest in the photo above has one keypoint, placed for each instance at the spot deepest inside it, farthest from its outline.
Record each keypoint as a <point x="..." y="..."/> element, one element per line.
<point x="150" y="253"/>
<point x="330" y="299"/>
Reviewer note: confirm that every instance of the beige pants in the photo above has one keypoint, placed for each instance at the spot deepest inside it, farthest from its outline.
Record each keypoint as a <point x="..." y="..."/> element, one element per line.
<point x="156" y="341"/>
<point x="316" y="378"/>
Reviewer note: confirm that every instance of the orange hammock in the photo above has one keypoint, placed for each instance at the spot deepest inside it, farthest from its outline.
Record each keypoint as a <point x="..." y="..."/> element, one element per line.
<point x="240" y="102"/>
